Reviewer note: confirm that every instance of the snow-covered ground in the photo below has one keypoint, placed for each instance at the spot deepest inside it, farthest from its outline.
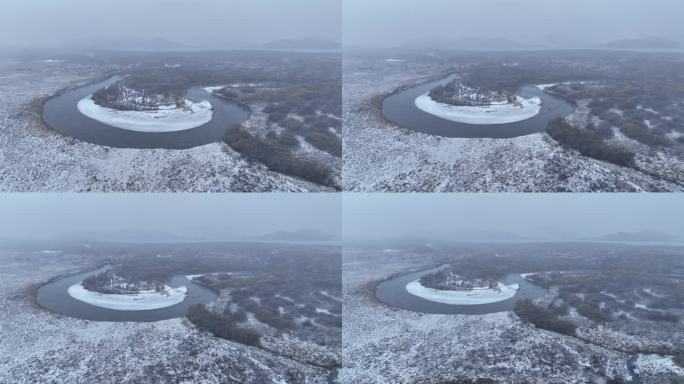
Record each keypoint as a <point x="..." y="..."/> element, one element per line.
<point x="658" y="365"/>
<point x="380" y="156"/>
<point x="544" y="87"/>
<point x="214" y="88"/>
<point x="494" y="113"/>
<point x="167" y="118"/>
<point x="191" y="277"/>
<point x="35" y="158"/>
<point x="141" y="301"/>
<point x="475" y="296"/>
<point x="386" y="345"/>
<point x="37" y="346"/>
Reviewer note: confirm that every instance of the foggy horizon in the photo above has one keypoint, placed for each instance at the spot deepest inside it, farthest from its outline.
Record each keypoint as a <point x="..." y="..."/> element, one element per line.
<point x="196" y="217"/>
<point x="535" y="23"/>
<point x="533" y="216"/>
<point x="212" y="24"/>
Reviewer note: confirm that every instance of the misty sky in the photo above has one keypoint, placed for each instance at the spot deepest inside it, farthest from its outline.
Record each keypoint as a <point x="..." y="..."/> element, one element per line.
<point x="231" y="216"/>
<point x="217" y="23"/>
<point x="216" y="216"/>
<point x="548" y="22"/>
<point x="548" y="216"/>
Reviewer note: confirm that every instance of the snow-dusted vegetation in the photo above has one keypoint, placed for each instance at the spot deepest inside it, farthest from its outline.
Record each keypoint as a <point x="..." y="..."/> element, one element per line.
<point x="381" y="156"/>
<point x="40" y="346"/>
<point x="36" y="158"/>
<point x="384" y="344"/>
<point x="299" y="130"/>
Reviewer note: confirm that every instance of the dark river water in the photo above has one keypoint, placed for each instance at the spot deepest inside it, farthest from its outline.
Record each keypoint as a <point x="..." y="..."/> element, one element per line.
<point x="61" y="114"/>
<point x="401" y="109"/>
<point x="54" y="296"/>
<point x="394" y="293"/>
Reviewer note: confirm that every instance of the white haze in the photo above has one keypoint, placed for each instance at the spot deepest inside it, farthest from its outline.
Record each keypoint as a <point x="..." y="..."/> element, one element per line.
<point x="200" y="23"/>
<point x="542" y="23"/>
<point x="538" y="216"/>
<point x="197" y="216"/>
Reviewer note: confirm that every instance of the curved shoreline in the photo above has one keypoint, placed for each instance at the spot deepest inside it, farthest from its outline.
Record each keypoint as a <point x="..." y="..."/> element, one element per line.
<point x="60" y="114"/>
<point x="398" y="108"/>
<point x="391" y="291"/>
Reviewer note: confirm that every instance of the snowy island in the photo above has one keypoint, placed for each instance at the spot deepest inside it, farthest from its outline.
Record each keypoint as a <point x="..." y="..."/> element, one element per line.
<point x="446" y="286"/>
<point x="134" y="108"/>
<point x="456" y="102"/>
<point x="166" y="118"/>
<point x="472" y="296"/>
<point x="111" y="291"/>
<point x="140" y="301"/>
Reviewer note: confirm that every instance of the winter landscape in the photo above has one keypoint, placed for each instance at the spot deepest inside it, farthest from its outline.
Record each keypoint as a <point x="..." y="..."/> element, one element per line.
<point x="162" y="96"/>
<point x="621" y="334"/>
<point x="618" y="329"/>
<point x="512" y="288"/>
<point x="624" y="131"/>
<point x="94" y="301"/>
<point x="262" y="327"/>
<point x="290" y="140"/>
<point x="513" y="96"/>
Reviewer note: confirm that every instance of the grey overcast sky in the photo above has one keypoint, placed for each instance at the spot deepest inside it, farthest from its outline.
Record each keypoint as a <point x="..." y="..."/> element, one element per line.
<point x="219" y="23"/>
<point x="215" y="216"/>
<point x="550" y="216"/>
<point x="539" y="22"/>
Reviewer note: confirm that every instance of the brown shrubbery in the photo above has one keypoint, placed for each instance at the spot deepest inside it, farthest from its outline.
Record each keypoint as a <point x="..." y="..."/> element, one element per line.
<point x="278" y="157"/>
<point x="222" y="326"/>
<point x="588" y="143"/>
<point x="543" y="318"/>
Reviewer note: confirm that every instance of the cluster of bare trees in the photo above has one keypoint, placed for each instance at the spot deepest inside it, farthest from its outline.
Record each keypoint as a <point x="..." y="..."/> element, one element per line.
<point x="446" y="279"/>
<point x="120" y="96"/>
<point x="544" y="318"/>
<point x="588" y="142"/>
<point x="455" y="93"/>
<point x="278" y="156"/>
<point x="109" y="282"/>
<point x="222" y="325"/>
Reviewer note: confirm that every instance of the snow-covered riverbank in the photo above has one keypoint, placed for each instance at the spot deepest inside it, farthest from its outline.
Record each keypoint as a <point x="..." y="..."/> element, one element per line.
<point x="164" y="119"/>
<point x="144" y="300"/>
<point x="475" y="296"/>
<point x="494" y="113"/>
